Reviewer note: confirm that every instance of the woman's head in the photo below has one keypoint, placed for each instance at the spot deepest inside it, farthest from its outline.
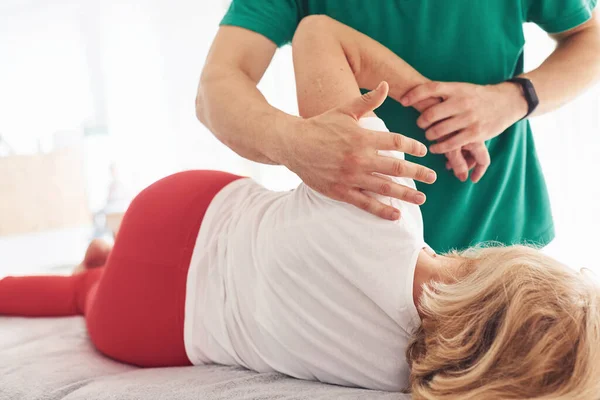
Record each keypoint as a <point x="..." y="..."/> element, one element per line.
<point x="514" y="324"/>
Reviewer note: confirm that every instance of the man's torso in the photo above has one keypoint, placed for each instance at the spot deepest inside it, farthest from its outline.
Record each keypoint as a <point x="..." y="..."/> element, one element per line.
<point x="472" y="41"/>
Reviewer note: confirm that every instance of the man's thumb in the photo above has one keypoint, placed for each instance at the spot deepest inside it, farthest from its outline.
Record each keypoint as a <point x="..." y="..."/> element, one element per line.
<point x="366" y="103"/>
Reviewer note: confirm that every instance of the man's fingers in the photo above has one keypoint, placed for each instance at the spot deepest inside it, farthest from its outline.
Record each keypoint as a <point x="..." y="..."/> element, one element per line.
<point x="371" y="205"/>
<point x="471" y="163"/>
<point x="398" y="142"/>
<point x="478" y="173"/>
<point x="455" y="142"/>
<point x="479" y="152"/>
<point x="442" y="129"/>
<point x="425" y="91"/>
<point x="403" y="169"/>
<point x="360" y="106"/>
<point x="386" y="187"/>
<point x="474" y="155"/>
<point x="459" y="164"/>
<point x="437" y="113"/>
<point x="482" y="157"/>
<point x="425" y="104"/>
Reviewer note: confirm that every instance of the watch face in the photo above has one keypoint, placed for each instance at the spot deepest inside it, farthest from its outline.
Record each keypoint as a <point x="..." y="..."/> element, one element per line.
<point x="531" y="94"/>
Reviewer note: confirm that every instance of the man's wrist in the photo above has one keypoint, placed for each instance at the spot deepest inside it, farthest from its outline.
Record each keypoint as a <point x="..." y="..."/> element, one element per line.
<point x="515" y="103"/>
<point x="281" y="135"/>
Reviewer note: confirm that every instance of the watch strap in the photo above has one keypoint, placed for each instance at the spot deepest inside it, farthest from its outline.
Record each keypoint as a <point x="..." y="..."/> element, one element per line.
<point x="529" y="94"/>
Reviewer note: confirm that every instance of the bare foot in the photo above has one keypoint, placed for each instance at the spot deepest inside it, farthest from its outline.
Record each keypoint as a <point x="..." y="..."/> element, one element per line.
<point x="95" y="256"/>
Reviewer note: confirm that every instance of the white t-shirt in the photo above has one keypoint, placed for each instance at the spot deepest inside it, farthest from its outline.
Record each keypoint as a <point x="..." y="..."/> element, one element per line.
<point x="297" y="283"/>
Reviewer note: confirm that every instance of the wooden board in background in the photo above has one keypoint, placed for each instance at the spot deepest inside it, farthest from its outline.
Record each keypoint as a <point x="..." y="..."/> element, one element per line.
<point x="42" y="192"/>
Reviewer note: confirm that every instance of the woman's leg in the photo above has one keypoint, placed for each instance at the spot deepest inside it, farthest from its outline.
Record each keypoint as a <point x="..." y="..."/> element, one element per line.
<point x="134" y="305"/>
<point x="47" y="296"/>
<point x="53" y="296"/>
<point x="95" y="256"/>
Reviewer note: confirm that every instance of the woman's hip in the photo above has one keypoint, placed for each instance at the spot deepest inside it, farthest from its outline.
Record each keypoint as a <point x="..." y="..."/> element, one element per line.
<point x="163" y="220"/>
<point x="138" y="312"/>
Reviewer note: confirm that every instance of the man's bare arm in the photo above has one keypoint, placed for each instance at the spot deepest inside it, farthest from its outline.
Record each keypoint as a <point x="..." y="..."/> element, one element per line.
<point x="330" y="54"/>
<point x="230" y="104"/>
<point x="321" y="149"/>
<point x="571" y="68"/>
<point x="228" y="101"/>
<point x="482" y="112"/>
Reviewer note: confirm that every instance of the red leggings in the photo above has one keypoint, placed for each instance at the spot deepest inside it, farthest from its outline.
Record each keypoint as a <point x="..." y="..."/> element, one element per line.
<point x="134" y="305"/>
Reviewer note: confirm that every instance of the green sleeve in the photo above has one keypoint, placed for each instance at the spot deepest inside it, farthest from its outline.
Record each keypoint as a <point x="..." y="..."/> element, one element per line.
<point x="556" y="16"/>
<point x="275" y="19"/>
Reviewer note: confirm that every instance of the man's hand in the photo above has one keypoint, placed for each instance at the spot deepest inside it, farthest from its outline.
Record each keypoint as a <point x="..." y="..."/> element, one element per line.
<point x="468" y="113"/>
<point x="474" y="156"/>
<point x="333" y="155"/>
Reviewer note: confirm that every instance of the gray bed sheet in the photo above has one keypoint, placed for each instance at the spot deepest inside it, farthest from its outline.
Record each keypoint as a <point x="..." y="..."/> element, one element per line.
<point x="52" y="358"/>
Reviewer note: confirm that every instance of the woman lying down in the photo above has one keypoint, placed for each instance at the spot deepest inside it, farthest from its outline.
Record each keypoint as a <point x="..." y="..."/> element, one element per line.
<point x="210" y="267"/>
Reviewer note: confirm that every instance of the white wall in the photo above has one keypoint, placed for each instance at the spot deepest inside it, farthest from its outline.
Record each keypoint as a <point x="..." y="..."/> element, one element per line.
<point x="567" y="142"/>
<point x="44" y="86"/>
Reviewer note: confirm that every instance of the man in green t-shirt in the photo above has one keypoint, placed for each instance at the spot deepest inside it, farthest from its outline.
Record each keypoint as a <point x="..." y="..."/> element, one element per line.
<point x="469" y="49"/>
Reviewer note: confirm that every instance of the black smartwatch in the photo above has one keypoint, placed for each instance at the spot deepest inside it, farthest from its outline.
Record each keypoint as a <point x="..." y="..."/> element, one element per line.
<point x="528" y="92"/>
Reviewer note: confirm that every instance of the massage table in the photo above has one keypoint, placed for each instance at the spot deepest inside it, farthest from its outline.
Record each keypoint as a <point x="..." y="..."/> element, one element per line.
<point x="52" y="358"/>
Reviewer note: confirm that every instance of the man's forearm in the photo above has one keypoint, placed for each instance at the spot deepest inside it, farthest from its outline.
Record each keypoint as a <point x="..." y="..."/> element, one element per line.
<point x="572" y="67"/>
<point x="240" y="117"/>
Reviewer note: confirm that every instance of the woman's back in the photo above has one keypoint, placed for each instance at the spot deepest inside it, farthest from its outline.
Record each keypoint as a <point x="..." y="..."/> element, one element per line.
<point x="304" y="285"/>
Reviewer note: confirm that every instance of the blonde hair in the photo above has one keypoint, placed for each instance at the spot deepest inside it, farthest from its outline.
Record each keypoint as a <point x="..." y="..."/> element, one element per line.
<point x="515" y="324"/>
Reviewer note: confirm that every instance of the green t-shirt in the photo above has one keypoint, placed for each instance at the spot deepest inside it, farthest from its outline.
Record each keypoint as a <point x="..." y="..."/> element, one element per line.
<point x="477" y="41"/>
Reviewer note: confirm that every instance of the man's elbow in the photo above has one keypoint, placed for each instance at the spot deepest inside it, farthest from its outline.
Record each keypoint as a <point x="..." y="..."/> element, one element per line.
<point x="587" y="39"/>
<point x="201" y="98"/>
<point x="595" y="47"/>
<point x="596" y="33"/>
<point x="200" y="107"/>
